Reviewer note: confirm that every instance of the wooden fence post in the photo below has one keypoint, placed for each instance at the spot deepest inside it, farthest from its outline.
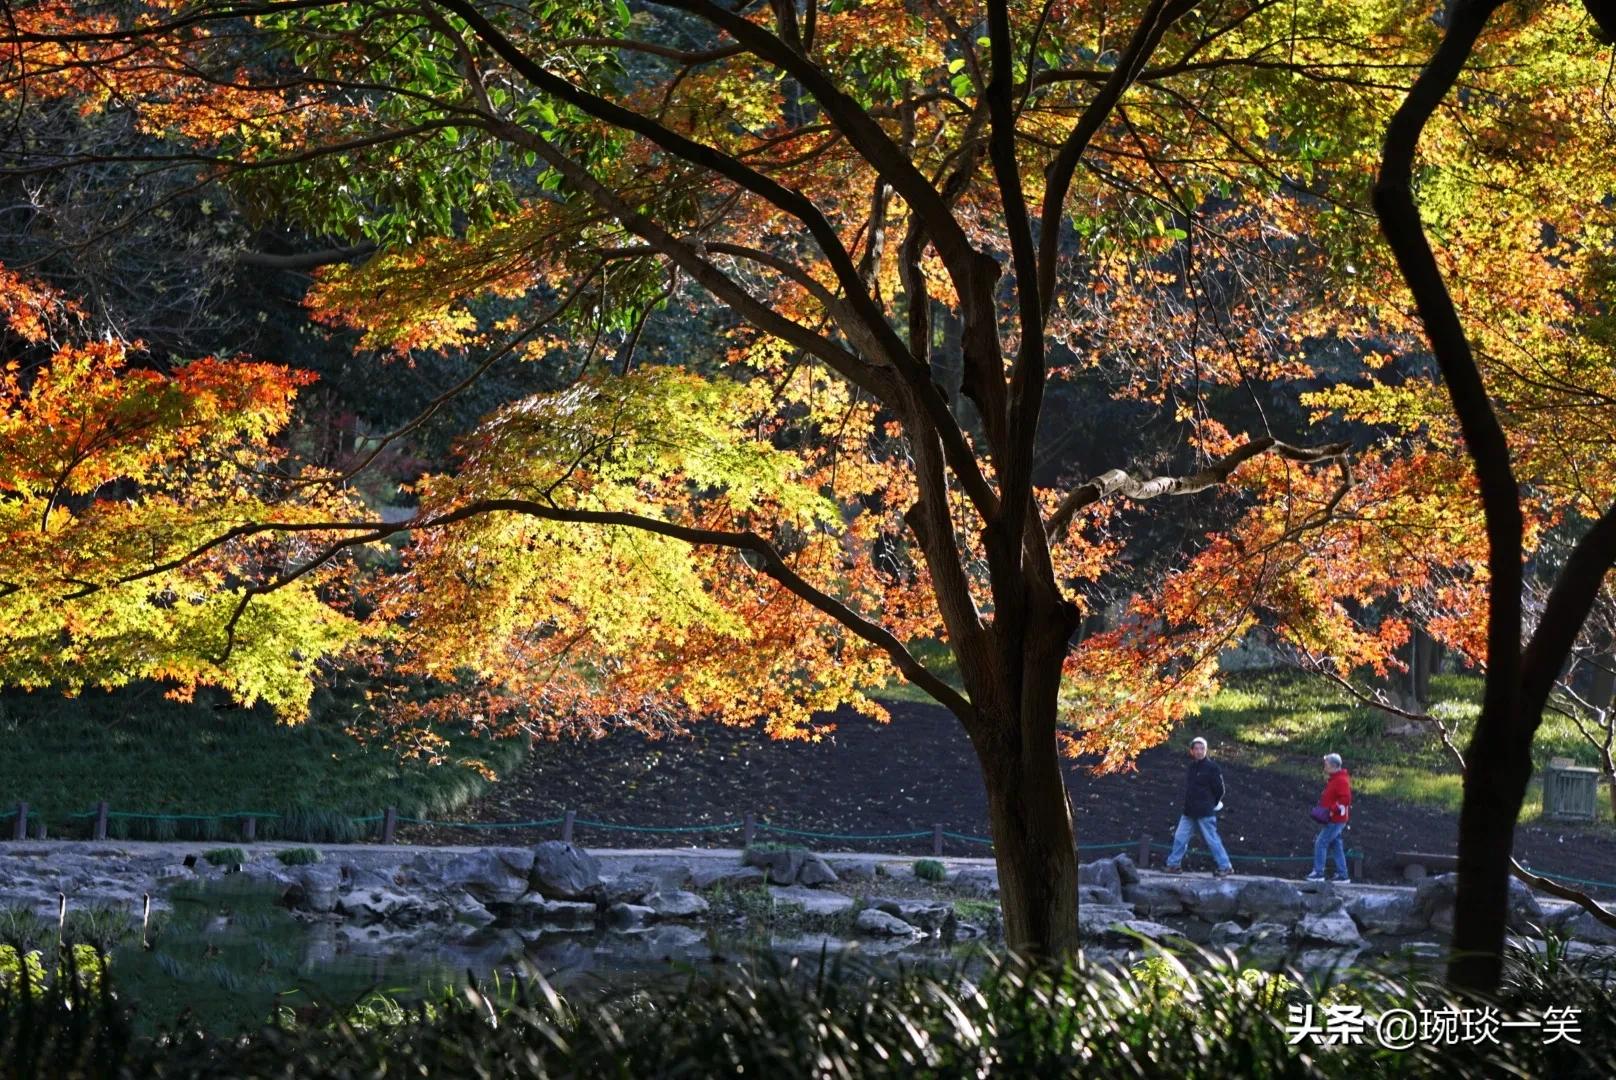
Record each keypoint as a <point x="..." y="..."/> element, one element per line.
<point x="39" y="829"/>
<point x="748" y="829"/>
<point x="19" y="829"/>
<point x="389" y="824"/>
<point x="1144" y="852"/>
<point x="937" y="840"/>
<point x="249" y="829"/>
<point x="101" y="810"/>
<point x="568" y="819"/>
<point x="1357" y="866"/>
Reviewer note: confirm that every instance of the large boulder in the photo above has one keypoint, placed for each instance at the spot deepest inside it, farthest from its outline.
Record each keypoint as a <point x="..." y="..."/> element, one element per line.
<point x="487" y="875"/>
<point x="1266" y="898"/>
<point x="815" y="871"/>
<point x="1387" y="912"/>
<point x="631" y="888"/>
<point x="676" y="904"/>
<point x="979" y="881"/>
<point x="1099" y="883"/>
<point x="1213" y="898"/>
<point x="1126" y="870"/>
<point x="855" y="869"/>
<point x="1132" y="930"/>
<point x="879" y="923"/>
<point x="317" y="888"/>
<point x="926" y="914"/>
<point x="812" y="901"/>
<point x="392" y="906"/>
<point x="1159" y="896"/>
<point x="563" y="871"/>
<point x="781" y="865"/>
<point x="1332" y="928"/>
<point x="535" y="910"/>
<point x="1585" y="928"/>
<point x="1094" y="920"/>
<point x="729" y="877"/>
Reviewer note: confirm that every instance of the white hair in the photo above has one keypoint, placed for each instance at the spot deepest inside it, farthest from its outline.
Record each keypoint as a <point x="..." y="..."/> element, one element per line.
<point x="1333" y="760"/>
<point x="1197" y="741"/>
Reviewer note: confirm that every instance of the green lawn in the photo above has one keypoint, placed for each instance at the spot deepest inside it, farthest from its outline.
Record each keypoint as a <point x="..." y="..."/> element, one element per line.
<point x="1286" y="720"/>
<point x="143" y="753"/>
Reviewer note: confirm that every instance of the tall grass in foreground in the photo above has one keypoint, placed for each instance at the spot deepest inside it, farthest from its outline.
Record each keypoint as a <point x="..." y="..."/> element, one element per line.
<point x="1158" y="1019"/>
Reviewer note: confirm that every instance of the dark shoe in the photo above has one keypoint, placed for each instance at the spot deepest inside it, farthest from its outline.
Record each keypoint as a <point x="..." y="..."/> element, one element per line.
<point x="1341" y="881"/>
<point x="1225" y="872"/>
<point x="1172" y="869"/>
<point x="1315" y="877"/>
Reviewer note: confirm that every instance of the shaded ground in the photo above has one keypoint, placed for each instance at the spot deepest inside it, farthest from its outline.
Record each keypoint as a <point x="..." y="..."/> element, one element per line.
<point x="919" y="770"/>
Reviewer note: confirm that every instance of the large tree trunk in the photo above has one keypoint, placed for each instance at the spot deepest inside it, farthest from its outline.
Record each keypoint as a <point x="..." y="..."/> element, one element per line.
<point x="1496" y="774"/>
<point x="1032" y="843"/>
<point x="1027" y="804"/>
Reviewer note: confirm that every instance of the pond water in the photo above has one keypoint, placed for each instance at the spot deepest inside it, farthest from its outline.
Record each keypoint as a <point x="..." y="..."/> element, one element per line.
<point x="229" y="957"/>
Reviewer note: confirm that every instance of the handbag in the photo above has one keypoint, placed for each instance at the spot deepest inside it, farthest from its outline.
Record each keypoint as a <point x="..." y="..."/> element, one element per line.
<point x="1320" y="815"/>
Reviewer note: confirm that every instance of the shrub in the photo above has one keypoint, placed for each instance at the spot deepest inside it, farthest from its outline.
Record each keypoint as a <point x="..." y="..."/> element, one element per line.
<point x="225" y="856"/>
<point x="299" y="856"/>
<point x="930" y="870"/>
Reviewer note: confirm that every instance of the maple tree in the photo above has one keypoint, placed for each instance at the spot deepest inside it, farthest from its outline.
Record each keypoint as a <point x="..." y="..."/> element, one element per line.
<point x="909" y="221"/>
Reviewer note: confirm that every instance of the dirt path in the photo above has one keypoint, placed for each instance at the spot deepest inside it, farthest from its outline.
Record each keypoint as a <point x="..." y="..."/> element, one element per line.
<point x="871" y="779"/>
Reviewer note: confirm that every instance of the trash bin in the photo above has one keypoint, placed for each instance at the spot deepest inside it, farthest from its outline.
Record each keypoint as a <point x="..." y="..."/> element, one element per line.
<point x="1570" y="792"/>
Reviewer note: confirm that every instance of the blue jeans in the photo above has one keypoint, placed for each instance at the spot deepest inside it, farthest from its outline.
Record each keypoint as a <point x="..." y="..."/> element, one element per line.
<point x="1329" y="842"/>
<point x="1209" y="833"/>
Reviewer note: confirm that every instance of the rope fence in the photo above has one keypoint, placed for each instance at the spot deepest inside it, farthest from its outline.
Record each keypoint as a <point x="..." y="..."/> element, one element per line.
<point x="28" y="821"/>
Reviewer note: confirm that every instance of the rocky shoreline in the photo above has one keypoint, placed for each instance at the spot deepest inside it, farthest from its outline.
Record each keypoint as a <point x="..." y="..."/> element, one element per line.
<point x="372" y="899"/>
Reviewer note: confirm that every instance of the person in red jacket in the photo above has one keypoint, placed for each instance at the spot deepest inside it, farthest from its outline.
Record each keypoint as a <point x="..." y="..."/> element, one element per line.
<point x="1334" y="807"/>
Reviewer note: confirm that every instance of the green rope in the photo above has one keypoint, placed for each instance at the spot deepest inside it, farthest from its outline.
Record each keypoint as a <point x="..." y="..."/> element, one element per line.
<point x="720" y="827"/>
<point x="1567" y="877"/>
<point x="967" y="838"/>
<point x="765" y="827"/>
<point x="1108" y="847"/>
<point x="472" y="824"/>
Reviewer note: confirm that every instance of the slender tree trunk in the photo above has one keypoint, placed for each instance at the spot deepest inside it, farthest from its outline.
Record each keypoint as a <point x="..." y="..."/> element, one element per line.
<point x="1496" y="774"/>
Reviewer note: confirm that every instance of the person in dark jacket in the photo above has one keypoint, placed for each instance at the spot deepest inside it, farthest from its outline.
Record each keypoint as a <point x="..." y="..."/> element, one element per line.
<point x="1203" y="798"/>
<point x="1335" y="806"/>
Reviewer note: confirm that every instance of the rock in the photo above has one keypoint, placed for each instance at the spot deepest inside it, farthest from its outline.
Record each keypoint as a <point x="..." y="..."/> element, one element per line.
<point x="467" y="909"/>
<point x="1432" y="894"/>
<point x="1131" y="930"/>
<point x="486" y="876"/>
<point x="964" y="931"/>
<point x="1127" y="872"/>
<point x="812" y="901"/>
<point x="317" y="886"/>
<point x="392" y="906"/>
<point x="926" y="914"/>
<point x="1585" y="928"/>
<point x="1227" y="933"/>
<point x="665" y="873"/>
<point x="1159" y="896"/>
<point x="1318" y="897"/>
<point x="730" y="877"/>
<point x="1213" y="898"/>
<point x="1335" y="928"/>
<point x="1094" y="894"/>
<point x="1102" y="880"/>
<point x="1094" y="920"/>
<point x="535" y="910"/>
<point x="1268" y="897"/>
<point x="856" y="869"/>
<point x="1525" y="913"/>
<point x="1386" y="913"/>
<point x="876" y="922"/>
<point x="630" y="888"/>
<point x="980" y="881"/>
<point x="676" y="904"/>
<point x="563" y="871"/>
<point x="628" y="916"/>
<point x="781" y="866"/>
<point x="1268" y="933"/>
<point x="815" y="871"/>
